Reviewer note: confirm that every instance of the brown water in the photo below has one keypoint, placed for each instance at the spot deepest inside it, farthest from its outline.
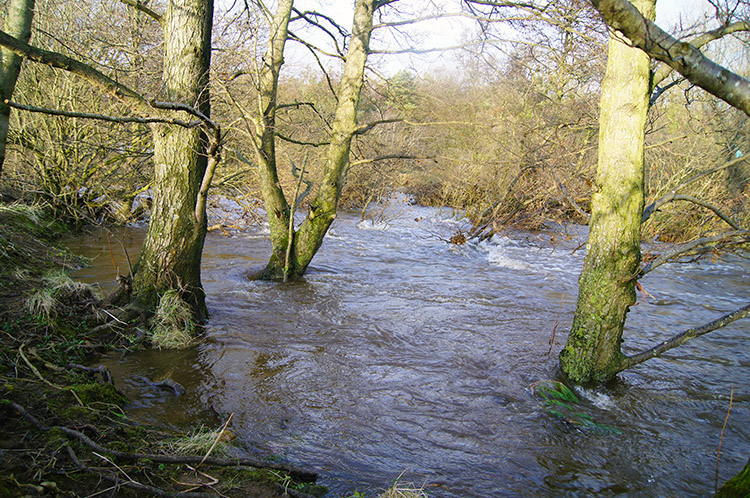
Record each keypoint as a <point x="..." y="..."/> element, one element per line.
<point x="400" y="353"/>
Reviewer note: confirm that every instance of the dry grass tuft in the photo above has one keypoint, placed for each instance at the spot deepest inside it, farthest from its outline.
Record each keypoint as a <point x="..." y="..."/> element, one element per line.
<point x="172" y="326"/>
<point x="199" y="442"/>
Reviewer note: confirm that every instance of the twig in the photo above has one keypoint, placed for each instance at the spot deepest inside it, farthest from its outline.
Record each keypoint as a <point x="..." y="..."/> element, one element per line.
<point x="216" y="441"/>
<point x="721" y="439"/>
<point x="115" y="465"/>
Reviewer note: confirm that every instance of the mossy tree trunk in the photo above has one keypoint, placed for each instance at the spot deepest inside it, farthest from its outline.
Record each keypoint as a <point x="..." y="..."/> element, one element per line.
<point x="171" y="253"/>
<point x="607" y="284"/>
<point x="738" y="486"/>
<point x="309" y="237"/>
<point x="277" y="207"/>
<point x="18" y="25"/>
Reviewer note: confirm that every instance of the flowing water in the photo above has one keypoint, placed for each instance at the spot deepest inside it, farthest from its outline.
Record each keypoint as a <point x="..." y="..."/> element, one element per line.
<point x="401" y="353"/>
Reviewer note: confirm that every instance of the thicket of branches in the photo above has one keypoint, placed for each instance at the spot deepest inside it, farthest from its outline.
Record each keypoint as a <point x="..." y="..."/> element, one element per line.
<point x="508" y="134"/>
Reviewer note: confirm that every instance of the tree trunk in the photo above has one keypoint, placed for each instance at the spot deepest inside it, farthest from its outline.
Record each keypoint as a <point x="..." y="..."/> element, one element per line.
<point x="171" y="254"/>
<point x="607" y="283"/>
<point x="309" y="237"/>
<point x="18" y="25"/>
<point x="277" y="208"/>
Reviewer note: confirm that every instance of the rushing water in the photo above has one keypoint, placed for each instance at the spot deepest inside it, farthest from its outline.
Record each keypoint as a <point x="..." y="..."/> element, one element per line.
<point x="401" y="353"/>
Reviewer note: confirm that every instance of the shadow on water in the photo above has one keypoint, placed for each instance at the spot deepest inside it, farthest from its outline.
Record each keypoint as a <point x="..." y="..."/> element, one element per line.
<point x="399" y="352"/>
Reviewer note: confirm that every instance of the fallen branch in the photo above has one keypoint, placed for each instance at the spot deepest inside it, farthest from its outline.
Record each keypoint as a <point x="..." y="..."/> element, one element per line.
<point x="133" y="484"/>
<point x="683" y="337"/>
<point x="295" y="472"/>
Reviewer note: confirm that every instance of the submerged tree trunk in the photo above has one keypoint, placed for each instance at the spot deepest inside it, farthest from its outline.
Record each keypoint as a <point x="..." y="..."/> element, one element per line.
<point x="171" y="254"/>
<point x="607" y="281"/>
<point x="17" y="25"/>
<point x="290" y="262"/>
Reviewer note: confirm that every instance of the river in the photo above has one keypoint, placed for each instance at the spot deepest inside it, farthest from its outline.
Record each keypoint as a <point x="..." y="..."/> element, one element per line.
<point x="400" y="353"/>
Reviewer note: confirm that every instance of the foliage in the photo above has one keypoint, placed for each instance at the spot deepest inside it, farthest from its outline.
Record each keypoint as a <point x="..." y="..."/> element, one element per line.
<point x="172" y="326"/>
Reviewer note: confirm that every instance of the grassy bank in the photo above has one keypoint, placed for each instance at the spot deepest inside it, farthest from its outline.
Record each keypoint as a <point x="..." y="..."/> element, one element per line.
<point x="64" y="429"/>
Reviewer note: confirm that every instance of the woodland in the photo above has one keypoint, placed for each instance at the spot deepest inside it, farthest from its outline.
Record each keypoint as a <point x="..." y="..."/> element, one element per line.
<point x="539" y="113"/>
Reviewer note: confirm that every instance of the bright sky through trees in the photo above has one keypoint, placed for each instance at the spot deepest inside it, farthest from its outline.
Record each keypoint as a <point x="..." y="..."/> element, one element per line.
<point x="436" y="33"/>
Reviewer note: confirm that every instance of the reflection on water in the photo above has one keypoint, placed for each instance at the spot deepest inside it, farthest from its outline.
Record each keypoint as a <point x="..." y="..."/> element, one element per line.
<point x="399" y="352"/>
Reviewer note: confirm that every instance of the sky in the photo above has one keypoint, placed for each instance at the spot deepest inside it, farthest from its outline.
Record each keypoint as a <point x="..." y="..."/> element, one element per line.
<point x="448" y="32"/>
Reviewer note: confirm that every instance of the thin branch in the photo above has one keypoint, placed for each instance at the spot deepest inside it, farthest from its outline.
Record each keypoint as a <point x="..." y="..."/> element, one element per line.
<point x="707" y="205"/>
<point x="683" y="337"/>
<point x="414" y="50"/>
<point x="389" y="156"/>
<point x="214" y="157"/>
<point x="307" y="16"/>
<point x="299" y="142"/>
<point x="698" y="246"/>
<point x="137" y="5"/>
<point x="101" y="117"/>
<point x="178" y="106"/>
<point x="651" y="208"/>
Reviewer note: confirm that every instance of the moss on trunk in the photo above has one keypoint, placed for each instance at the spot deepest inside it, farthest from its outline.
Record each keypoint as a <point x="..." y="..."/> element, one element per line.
<point x="606" y="285"/>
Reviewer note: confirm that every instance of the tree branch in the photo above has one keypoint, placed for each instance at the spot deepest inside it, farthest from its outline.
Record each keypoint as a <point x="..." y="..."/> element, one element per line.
<point x="307" y="17"/>
<point x="654" y="206"/>
<point x="699" y="41"/>
<point x="137" y="5"/>
<point x="179" y="106"/>
<point x="695" y="200"/>
<point x="101" y="117"/>
<point x="300" y="142"/>
<point x="697" y="247"/>
<point x="388" y="156"/>
<point x="687" y="60"/>
<point x="683" y="337"/>
<point x="85" y="71"/>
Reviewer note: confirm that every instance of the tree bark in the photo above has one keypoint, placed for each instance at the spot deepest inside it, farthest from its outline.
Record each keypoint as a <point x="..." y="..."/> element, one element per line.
<point x="171" y="254"/>
<point x="309" y="237"/>
<point x="606" y="287"/>
<point x="17" y="25"/>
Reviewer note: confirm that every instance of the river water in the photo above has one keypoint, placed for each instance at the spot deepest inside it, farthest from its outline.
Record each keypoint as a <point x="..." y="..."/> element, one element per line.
<point x="400" y="353"/>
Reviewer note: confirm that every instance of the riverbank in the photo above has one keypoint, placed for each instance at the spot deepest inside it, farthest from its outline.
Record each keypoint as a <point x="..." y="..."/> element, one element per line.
<point x="64" y="429"/>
